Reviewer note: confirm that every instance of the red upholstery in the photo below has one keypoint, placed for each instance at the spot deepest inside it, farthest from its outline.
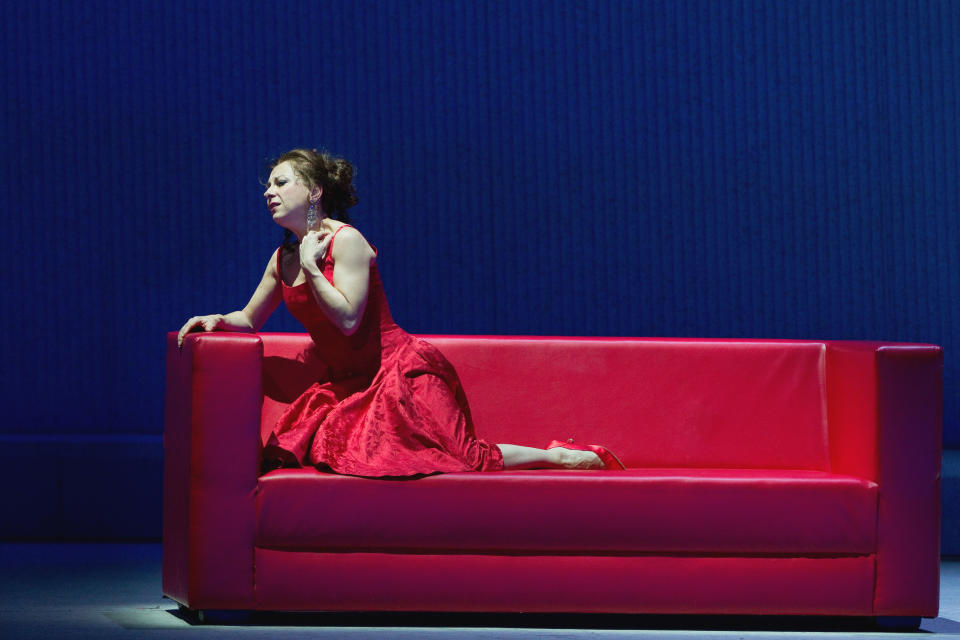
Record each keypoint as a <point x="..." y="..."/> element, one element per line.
<point x="638" y="511"/>
<point x="211" y="458"/>
<point x="764" y="477"/>
<point x="589" y="584"/>
<point x="656" y="403"/>
<point x="910" y="407"/>
<point x="886" y="425"/>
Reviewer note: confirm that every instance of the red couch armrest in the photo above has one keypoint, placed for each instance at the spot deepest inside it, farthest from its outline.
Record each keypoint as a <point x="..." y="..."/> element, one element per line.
<point x="885" y="410"/>
<point x="910" y="418"/>
<point x="211" y="447"/>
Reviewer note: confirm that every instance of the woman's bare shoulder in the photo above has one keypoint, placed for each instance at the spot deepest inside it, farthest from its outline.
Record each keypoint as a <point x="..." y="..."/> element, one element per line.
<point x="274" y="262"/>
<point x="349" y="241"/>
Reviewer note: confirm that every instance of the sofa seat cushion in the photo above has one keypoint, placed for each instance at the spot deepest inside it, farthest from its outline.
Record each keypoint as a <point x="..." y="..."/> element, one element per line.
<point x="700" y="511"/>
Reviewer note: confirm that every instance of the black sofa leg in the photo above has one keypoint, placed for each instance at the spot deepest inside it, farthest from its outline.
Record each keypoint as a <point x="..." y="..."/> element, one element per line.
<point x="897" y="623"/>
<point x="216" y="616"/>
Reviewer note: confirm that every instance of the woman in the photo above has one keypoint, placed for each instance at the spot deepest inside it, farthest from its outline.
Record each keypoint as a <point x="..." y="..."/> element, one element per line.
<point x="391" y="405"/>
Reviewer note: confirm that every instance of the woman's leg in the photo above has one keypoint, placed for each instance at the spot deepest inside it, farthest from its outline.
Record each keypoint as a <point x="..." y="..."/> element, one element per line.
<point x="519" y="457"/>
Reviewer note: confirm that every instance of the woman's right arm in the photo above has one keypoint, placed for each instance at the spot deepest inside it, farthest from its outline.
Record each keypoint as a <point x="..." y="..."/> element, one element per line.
<point x="263" y="302"/>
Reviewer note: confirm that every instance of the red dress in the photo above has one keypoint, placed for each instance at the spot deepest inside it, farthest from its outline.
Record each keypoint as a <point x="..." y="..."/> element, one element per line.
<point x="392" y="406"/>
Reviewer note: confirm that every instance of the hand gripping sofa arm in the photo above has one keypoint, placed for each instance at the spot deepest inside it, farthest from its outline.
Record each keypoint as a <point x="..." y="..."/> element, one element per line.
<point x="211" y="447"/>
<point x="885" y="413"/>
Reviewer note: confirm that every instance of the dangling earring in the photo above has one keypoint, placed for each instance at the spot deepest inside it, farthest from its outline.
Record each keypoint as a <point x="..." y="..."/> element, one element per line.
<point x="312" y="218"/>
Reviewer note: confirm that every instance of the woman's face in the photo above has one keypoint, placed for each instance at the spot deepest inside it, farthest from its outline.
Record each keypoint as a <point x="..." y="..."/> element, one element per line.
<point x="288" y="198"/>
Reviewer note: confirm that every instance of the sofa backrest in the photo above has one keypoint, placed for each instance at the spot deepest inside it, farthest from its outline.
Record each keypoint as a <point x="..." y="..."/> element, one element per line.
<point x="653" y="402"/>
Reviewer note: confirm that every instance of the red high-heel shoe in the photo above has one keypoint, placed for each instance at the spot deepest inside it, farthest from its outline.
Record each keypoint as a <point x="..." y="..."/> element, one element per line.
<point x="610" y="461"/>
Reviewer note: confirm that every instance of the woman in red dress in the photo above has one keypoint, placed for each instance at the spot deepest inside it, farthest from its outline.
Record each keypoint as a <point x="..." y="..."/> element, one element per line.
<point x="392" y="405"/>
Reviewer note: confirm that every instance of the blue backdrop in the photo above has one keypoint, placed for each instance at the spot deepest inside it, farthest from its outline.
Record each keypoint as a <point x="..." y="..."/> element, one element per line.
<point x="730" y="168"/>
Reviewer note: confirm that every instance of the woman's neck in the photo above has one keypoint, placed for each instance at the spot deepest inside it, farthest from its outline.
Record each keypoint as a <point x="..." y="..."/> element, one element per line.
<point x="325" y="224"/>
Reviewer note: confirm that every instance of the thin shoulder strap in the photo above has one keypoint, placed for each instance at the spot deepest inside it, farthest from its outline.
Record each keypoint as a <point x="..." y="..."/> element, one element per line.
<point x="333" y="237"/>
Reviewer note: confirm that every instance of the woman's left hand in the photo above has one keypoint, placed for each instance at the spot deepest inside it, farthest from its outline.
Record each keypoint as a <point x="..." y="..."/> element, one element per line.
<point x="312" y="249"/>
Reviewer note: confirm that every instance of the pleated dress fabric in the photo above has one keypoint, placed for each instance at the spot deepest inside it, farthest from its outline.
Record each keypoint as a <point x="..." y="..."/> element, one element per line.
<point x="391" y="404"/>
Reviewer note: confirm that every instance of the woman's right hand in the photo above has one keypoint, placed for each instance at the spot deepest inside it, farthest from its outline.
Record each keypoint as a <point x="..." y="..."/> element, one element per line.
<point x="313" y="248"/>
<point x="200" y="323"/>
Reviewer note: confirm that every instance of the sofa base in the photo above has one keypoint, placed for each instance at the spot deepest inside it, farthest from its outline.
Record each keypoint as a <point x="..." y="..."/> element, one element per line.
<point x="302" y="581"/>
<point x="810" y="623"/>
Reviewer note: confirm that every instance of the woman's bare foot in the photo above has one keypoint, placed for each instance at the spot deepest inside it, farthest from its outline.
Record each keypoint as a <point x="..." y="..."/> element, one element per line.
<point x="520" y="457"/>
<point x="573" y="459"/>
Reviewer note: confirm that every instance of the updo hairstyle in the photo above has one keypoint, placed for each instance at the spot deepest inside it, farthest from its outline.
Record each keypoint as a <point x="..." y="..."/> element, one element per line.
<point x="333" y="174"/>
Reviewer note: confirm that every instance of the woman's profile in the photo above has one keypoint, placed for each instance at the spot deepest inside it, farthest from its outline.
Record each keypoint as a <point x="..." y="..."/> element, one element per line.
<point x="392" y="405"/>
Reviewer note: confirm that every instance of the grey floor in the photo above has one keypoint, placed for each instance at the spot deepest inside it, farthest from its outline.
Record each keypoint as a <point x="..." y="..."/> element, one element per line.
<point x="113" y="591"/>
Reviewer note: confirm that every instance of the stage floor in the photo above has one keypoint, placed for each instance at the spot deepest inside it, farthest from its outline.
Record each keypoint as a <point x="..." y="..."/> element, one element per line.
<point x="107" y="591"/>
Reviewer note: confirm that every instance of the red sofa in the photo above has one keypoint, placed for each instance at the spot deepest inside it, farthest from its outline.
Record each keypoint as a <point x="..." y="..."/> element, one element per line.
<point x="764" y="477"/>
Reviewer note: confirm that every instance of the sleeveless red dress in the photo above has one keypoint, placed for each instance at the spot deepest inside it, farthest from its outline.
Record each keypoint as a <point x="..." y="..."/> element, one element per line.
<point x="392" y="404"/>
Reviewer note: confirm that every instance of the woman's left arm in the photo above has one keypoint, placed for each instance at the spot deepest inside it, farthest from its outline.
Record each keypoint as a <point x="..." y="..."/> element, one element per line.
<point x="344" y="301"/>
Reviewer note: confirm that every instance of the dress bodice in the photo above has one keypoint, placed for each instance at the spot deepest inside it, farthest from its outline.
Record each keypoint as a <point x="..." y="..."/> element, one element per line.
<point x="346" y="356"/>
